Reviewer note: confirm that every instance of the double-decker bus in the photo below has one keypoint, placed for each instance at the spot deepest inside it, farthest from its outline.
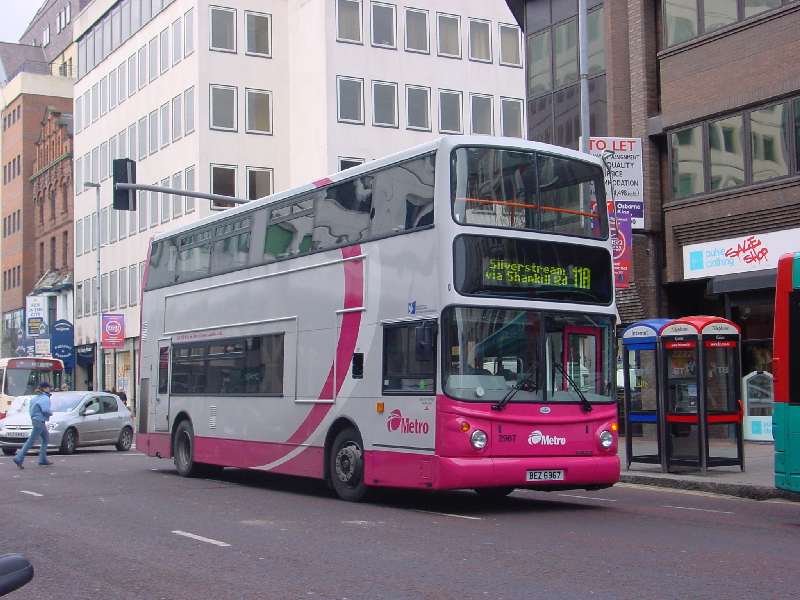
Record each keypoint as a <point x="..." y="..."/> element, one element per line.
<point x="786" y="370"/>
<point x="441" y="318"/>
<point x="21" y="376"/>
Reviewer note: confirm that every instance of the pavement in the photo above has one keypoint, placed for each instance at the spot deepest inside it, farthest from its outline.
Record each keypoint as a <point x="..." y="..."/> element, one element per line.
<point x="103" y="524"/>
<point x="757" y="481"/>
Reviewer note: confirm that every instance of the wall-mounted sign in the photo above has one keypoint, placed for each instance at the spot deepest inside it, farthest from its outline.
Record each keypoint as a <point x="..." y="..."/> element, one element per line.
<point x="42" y="347"/>
<point x="113" y="331"/>
<point x="623" y="174"/>
<point x="738" y="255"/>
<point x="36" y="316"/>
<point x="622" y="246"/>
<point x="63" y="342"/>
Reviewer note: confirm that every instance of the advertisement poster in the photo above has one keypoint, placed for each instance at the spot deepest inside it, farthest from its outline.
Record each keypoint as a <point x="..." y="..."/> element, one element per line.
<point x="621" y="244"/>
<point x="113" y="331"/>
<point x="42" y="347"/>
<point x="36" y="316"/>
<point x="623" y="174"/>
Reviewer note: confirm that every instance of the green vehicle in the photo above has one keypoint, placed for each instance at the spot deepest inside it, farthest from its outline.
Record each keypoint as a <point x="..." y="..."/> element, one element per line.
<point x="786" y="366"/>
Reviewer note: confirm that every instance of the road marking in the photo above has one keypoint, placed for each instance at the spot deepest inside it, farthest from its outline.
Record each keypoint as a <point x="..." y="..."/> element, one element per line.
<point x="37" y="494"/>
<point x="441" y="514"/>
<point x="200" y="538"/>
<point x="723" y="512"/>
<point x="587" y="497"/>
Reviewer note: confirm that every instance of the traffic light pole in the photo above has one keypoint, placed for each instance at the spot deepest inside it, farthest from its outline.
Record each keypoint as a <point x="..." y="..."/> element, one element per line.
<point x="168" y="190"/>
<point x="99" y="290"/>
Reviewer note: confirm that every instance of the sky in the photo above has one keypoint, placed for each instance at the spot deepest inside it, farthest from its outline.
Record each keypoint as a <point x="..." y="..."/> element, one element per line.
<point x="16" y="14"/>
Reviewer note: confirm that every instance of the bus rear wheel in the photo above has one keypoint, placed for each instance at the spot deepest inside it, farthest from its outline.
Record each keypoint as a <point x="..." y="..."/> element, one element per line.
<point x="347" y="466"/>
<point x="183" y="453"/>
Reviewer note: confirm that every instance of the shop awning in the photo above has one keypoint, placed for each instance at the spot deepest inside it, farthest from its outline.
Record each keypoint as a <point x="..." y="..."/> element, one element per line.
<point x="741" y="282"/>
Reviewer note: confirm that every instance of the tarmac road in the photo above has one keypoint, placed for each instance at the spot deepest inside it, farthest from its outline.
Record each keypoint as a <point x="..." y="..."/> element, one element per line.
<point x="105" y="524"/>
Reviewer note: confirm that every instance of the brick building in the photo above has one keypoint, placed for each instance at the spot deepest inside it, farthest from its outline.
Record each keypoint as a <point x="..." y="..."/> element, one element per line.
<point x="713" y="89"/>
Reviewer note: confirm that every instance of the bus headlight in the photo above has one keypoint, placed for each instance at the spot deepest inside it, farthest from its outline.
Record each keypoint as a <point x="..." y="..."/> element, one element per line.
<point x="478" y="439"/>
<point x="606" y="439"/>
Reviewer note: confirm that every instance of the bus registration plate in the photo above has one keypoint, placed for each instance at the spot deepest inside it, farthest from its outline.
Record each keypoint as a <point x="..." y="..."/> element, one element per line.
<point x="545" y="476"/>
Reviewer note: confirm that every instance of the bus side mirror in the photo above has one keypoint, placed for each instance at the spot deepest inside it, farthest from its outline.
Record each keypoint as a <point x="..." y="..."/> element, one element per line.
<point x="424" y="339"/>
<point x="15" y="571"/>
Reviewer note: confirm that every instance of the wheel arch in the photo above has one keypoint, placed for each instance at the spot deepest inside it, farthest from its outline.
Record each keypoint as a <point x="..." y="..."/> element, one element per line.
<point x="340" y="424"/>
<point x="179" y="418"/>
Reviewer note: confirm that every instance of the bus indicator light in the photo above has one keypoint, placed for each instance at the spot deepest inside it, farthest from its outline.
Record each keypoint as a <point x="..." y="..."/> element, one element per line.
<point x="464" y="426"/>
<point x="614" y="426"/>
<point x="379" y="408"/>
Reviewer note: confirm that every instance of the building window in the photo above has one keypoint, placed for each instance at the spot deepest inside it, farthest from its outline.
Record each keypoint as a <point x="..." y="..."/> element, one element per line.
<point x="223" y="29"/>
<point x="104" y="292"/>
<point x="383" y="25"/>
<point x="688" y="173"/>
<point x="177" y="42"/>
<point x="164" y="47"/>
<point x="510" y="51"/>
<point x="78" y="176"/>
<point x="348" y="162"/>
<point x="565" y="43"/>
<point x="511" y="117"/>
<point x="154" y="212"/>
<point x="384" y="104"/>
<point x="103" y="96"/>
<point x="166" y="133"/>
<point x="223" y="182"/>
<point x="153" y="56"/>
<point x="127" y="144"/>
<point x="103" y="161"/>
<point x="188" y="180"/>
<point x="258" y="27"/>
<point x="123" y="287"/>
<point x="104" y="226"/>
<point x="122" y="222"/>
<point x="177" y="200"/>
<point x="596" y="52"/>
<point x="259" y="182"/>
<point x="112" y="89"/>
<point x="450" y="111"/>
<point x="417" y="38"/>
<point x="52" y="253"/>
<point x="448" y="35"/>
<point x="188" y="32"/>
<point x="87" y="234"/>
<point x="726" y="152"/>
<point x="133" y="286"/>
<point x="769" y="136"/>
<point x="165" y="202"/>
<point x="350" y="92"/>
<point x="142" y="67"/>
<point x="79" y="301"/>
<point x="188" y="107"/>
<point x="142" y="208"/>
<point x="113" y="286"/>
<point x="177" y="118"/>
<point x="683" y="19"/>
<point x="223" y="108"/>
<point x="95" y="299"/>
<point x="540" y="69"/>
<point x="46" y="37"/>
<point x="95" y="165"/>
<point x="480" y="40"/>
<point x="127" y="78"/>
<point x="78" y="237"/>
<point x="258" y="113"/>
<point x="64" y="249"/>
<point x="418" y="104"/>
<point x="112" y="225"/>
<point x="348" y="21"/>
<point x="95" y="102"/>
<point x="153" y="131"/>
<point x="78" y="115"/>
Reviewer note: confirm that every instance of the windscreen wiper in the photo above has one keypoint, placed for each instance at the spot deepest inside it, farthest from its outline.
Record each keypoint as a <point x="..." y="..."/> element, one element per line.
<point x="585" y="404"/>
<point x="527" y="383"/>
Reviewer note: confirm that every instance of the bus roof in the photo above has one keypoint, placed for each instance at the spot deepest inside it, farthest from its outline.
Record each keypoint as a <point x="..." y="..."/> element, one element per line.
<point x="447" y="142"/>
<point x="32" y="362"/>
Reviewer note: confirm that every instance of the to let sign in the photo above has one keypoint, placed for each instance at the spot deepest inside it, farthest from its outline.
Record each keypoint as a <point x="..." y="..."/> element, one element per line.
<point x="113" y="331"/>
<point x="623" y="174"/>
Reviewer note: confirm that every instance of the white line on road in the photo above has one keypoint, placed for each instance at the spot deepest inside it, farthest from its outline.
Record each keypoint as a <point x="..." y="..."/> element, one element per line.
<point x="37" y="494"/>
<point x="587" y="497"/>
<point x="711" y="510"/>
<point x="200" y="538"/>
<point x="441" y="514"/>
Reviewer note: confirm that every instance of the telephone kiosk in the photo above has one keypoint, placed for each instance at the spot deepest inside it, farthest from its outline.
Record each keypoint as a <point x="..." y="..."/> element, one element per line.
<point x="683" y="390"/>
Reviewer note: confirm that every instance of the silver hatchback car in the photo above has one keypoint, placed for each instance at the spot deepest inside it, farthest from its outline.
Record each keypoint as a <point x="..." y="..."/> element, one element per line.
<point x="79" y="419"/>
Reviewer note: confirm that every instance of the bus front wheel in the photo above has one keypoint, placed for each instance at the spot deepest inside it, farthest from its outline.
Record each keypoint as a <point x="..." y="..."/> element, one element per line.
<point x="347" y="466"/>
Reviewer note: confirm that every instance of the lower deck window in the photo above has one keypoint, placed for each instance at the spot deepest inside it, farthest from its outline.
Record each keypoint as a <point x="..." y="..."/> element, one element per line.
<point x="409" y="358"/>
<point x="230" y="367"/>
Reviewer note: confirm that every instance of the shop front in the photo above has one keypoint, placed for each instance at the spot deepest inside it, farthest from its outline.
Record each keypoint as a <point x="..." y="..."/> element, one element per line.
<point x="735" y="279"/>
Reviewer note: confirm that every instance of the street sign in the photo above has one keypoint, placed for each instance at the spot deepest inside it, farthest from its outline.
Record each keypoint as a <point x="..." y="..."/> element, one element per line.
<point x="113" y="331"/>
<point x="623" y="174"/>
<point x="124" y="172"/>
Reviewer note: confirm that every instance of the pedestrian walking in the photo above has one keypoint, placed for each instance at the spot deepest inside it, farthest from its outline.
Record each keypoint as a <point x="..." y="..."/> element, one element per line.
<point x="40" y="414"/>
<point x="123" y="396"/>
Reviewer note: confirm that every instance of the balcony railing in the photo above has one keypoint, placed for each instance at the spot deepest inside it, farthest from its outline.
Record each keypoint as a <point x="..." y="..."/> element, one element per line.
<point x="42" y="68"/>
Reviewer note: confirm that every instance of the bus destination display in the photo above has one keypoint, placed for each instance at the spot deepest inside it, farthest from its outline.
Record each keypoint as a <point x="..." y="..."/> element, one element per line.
<point x="532" y="269"/>
<point x="524" y="274"/>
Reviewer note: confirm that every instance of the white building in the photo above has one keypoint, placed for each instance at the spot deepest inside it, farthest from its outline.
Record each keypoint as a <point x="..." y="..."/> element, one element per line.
<point x="247" y="97"/>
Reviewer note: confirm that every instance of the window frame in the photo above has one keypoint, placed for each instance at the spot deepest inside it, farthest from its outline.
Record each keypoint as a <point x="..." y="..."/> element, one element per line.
<point x="248" y="169"/>
<point x="235" y="169"/>
<point x="426" y="12"/>
<point x="211" y="9"/>
<point x="179" y="112"/>
<point x="188" y="108"/>
<point x="353" y="159"/>
<point x="520" y="45"/>
<point x="153" y="140"/>
<point x="411" y="325"/>
<point x="268" y="94"/>
<point x="428" y="108"/>
<point x="396" y="124"/>
<point x="188" y="33"/>
<point x="488" y="24"/>
<point x="521" y="102"/>
<point x="163" y="51"/>
<point x="247" y="51"/>
<point x="489" y="97"/>
<point x="458" y="35"/>
<point x="165" y="125"/>
<point x="339" y="118"/>
<point x="360" y="40"/>
<point x="461" y="111"/>
<point x="393" y="7"/>
<point x="177" y="41"/>
<point x="211" y="88"/>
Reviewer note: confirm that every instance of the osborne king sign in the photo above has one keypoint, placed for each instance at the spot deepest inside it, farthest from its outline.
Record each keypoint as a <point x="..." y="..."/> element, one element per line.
<point x="623" y="174"/>
<point x="738" y="255"/>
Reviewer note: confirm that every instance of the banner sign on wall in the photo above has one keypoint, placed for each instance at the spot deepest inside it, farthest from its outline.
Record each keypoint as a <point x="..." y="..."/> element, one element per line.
<point x="623" y="157"/>
<point x="63" y="342"/>
<point x="113" y="331"/>
<point x="36" y="316"/>
<point x="42" y="347"/>
<point x="621" y="245"/>
<point x="738" y="255"/>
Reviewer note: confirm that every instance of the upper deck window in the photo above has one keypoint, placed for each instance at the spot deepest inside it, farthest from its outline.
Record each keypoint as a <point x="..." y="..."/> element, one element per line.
<point x="515" y="189"/>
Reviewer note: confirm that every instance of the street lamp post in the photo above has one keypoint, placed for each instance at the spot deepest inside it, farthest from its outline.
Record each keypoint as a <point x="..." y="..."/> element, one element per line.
<point x="98" y="289"/>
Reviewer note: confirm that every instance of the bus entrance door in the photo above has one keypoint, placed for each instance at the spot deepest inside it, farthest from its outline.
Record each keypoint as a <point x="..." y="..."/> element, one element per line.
<point x="161" y="405"/>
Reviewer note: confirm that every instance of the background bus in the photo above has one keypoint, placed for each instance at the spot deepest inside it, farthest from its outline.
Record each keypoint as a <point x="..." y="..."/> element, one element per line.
<point x="441" y="318"/>
<point x="786" y="361"/>
<point x="21" y="376"/>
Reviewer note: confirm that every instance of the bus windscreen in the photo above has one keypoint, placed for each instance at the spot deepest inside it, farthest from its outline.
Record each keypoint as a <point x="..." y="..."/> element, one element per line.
<point x="532" y="270"/>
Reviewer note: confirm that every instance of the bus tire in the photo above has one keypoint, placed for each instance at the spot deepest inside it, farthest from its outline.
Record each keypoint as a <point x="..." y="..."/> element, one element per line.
<point x="347" y="466"/>
<point x="69" y="441"/>
<point x="183" y="451"/>
<point x="494" y="493"/>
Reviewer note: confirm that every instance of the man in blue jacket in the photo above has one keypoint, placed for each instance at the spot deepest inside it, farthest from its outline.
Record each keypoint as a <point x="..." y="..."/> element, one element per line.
<point x="40" y="414"/>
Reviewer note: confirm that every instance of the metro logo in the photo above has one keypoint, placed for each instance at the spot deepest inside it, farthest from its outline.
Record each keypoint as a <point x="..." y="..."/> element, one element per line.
<point x="397" y="422"/>
<point x="538" y="438"/>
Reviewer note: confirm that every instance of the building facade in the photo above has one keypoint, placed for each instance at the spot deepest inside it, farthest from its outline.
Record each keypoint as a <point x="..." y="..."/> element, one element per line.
<point x="246" y="97"/>
<point x="51" y="30"/>
<point x="713" y="90"/>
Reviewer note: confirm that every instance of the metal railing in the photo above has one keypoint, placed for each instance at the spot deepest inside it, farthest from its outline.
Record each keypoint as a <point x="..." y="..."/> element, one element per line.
<point x="42" y="67"/>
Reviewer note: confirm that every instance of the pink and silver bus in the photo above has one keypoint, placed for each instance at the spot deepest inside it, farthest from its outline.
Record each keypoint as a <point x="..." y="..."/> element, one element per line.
<point x="438" y="319"/>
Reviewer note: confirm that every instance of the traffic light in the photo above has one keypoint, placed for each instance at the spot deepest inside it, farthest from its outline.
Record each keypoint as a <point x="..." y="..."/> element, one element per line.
<point x="124" y="172"/>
